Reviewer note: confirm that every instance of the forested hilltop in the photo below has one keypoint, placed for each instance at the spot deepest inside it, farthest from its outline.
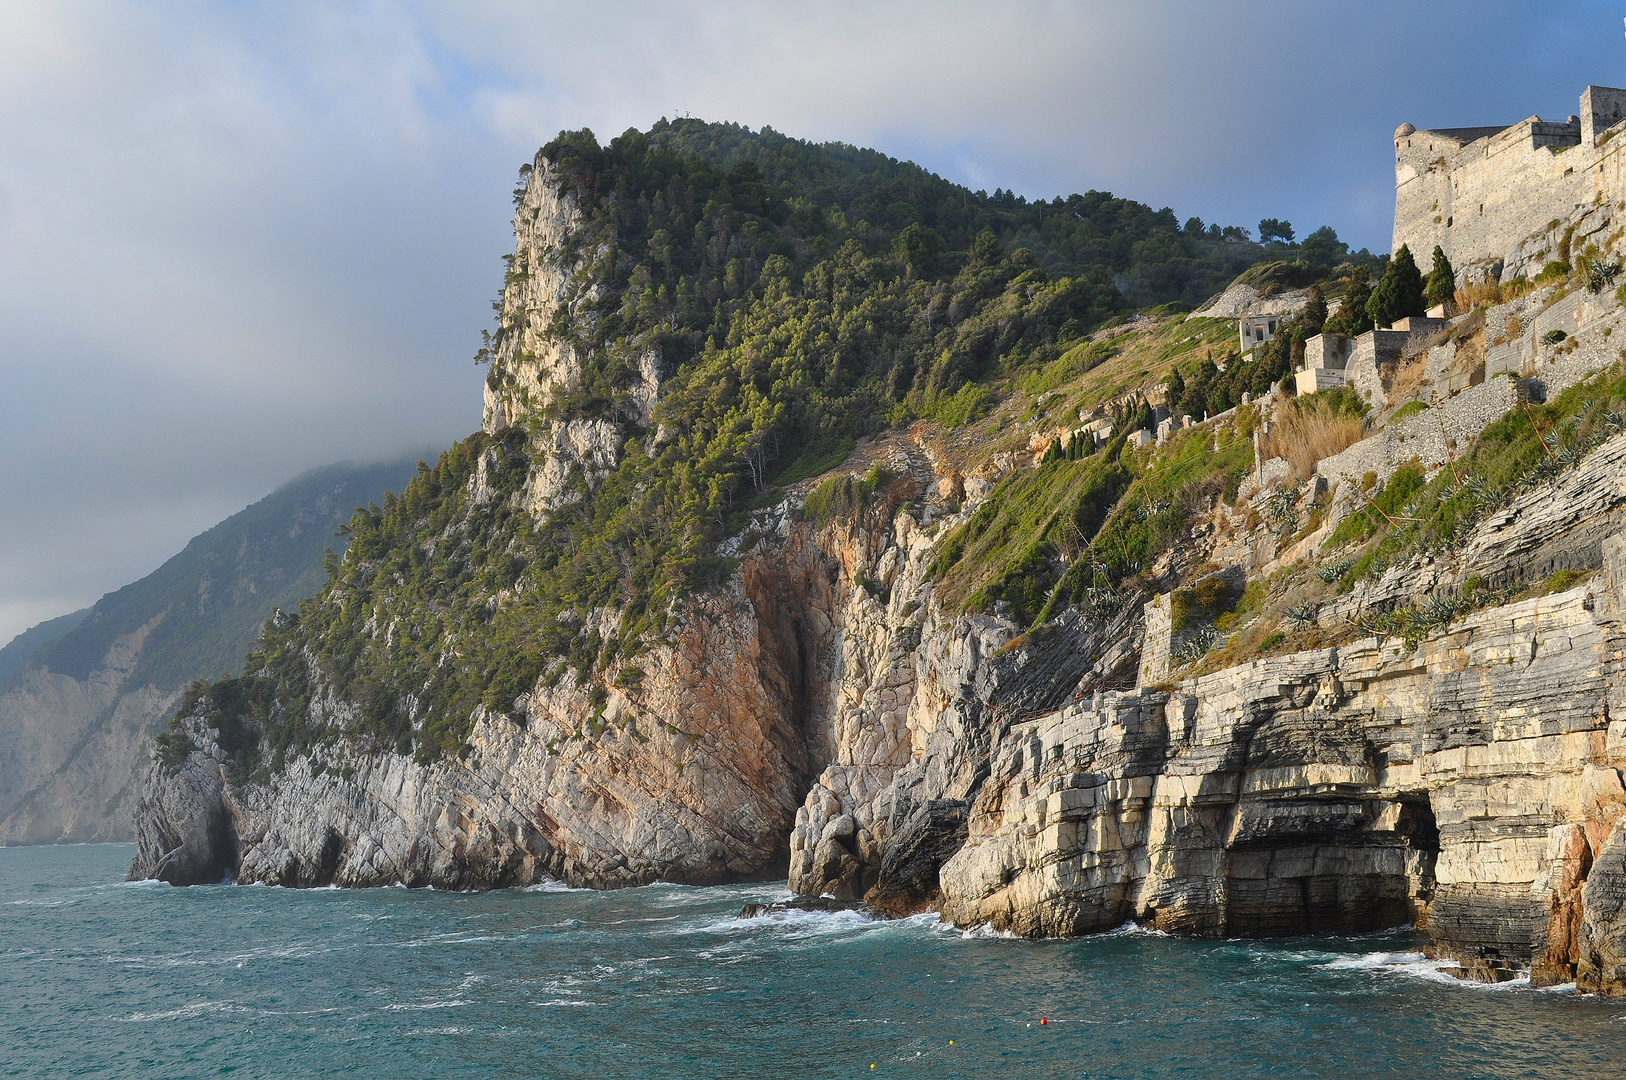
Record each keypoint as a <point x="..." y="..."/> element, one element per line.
<point x="737" y="308"/>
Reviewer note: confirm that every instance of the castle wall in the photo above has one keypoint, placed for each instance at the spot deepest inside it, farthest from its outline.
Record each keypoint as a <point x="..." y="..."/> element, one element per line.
<point x="1498" y="202"/>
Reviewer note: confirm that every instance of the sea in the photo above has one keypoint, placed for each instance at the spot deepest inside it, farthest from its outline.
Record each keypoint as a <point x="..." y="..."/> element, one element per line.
<point x="103" y="978"/>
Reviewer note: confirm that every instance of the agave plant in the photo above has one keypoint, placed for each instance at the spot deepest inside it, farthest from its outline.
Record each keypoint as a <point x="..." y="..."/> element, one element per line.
<point x="1302" y="614"/>
<point x="1601" y="275"/>
<point x="1100" y="602"/>
<point x="1437" y="613"/>
<point x="1196" y="645"/>
<point x="1282" y="508"/>
<point x="1333" y="571"/>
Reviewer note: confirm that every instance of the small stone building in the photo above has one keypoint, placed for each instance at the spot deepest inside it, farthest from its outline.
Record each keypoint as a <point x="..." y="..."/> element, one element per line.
<point x="1325" y="358"/>
<point x="1255" y="330"/>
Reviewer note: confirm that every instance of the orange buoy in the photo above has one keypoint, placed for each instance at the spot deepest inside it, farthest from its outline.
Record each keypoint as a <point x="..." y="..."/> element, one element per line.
<point x="1042" y="1020"/>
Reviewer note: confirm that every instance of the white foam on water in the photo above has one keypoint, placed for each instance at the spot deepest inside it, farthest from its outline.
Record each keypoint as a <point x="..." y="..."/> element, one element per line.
<point x="1414" y="965"/>
<point x="552" y="886"/>
<point x="1131" y="929"/>
<point x="197" y="1008"/>
<point x="980" y="932"/>
<point x="448" y="1004"/>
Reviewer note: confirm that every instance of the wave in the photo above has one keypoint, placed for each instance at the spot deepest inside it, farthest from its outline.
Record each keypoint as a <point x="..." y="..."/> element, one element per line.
<point x="1414" y="965"/>
<point x="552" y="886"/>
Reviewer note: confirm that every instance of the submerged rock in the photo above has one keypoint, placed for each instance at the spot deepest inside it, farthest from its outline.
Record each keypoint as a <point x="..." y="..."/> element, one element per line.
<point x="803" y="903"/>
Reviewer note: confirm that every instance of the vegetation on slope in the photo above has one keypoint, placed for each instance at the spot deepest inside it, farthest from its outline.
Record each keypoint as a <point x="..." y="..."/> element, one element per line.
<point x="799" y="297"/>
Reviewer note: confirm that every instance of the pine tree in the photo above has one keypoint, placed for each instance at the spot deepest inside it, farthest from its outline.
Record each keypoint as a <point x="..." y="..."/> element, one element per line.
<point x="1441" y="286"/>
<point x="1400" y="293"/>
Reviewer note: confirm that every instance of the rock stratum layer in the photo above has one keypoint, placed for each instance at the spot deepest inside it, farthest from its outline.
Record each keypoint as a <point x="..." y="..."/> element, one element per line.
<point x="823" y="714"/>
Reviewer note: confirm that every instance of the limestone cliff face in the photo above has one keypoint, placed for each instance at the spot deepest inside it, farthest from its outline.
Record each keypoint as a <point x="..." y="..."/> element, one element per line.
<point x="1464" y="784"/>
<point x="692" y="770"/>
<point x="533" y="363"/>
<point x="529" y="365"/>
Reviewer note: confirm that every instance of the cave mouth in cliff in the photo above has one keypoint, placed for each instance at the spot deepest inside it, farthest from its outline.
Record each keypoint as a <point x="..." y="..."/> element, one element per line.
<point x="1417" y="824"/>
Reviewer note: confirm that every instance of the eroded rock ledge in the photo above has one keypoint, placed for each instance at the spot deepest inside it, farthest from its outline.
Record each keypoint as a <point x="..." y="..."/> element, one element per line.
<point x="1470" y="786"/>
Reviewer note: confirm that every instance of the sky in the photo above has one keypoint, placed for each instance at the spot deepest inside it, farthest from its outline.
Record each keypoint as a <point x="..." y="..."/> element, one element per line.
<point x="239" y="241"/>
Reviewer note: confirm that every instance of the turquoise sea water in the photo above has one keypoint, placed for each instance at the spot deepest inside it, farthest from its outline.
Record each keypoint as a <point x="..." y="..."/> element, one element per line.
<point x="100" y="978"/>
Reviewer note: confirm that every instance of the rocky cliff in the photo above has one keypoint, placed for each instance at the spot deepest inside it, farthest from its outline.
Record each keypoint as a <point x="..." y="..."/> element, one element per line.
<point x="836" y="705"/>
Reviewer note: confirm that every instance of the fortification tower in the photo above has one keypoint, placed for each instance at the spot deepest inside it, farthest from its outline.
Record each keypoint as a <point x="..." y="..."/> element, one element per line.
<point x="1500" y="200"/>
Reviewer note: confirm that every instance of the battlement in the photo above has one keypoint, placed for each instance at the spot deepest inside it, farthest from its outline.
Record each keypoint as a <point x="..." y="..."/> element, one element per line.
<point x="1497" y="199"/>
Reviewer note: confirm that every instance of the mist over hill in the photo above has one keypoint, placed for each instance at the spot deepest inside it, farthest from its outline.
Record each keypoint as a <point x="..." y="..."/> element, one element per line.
<point x="81" y="694"/>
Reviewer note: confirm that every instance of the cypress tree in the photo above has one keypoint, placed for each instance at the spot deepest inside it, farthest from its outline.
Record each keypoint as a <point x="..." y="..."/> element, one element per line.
<point x="1314" y="316"/>
<point x="1400" y="293"/>
<point x="1175" y="387"/>
<point x="1441" y="286"/>
<point x="1352" y="320"/>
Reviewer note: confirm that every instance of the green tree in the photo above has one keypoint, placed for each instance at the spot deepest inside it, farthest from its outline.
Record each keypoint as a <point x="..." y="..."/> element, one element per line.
<point x="1323" y="248"/>
<point x="1400" y="293"/>
<point x="1441" y="286"/>
<point x="1275" y="229"/>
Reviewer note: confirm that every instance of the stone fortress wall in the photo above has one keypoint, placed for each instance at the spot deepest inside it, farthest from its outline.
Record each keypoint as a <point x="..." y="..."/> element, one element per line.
<point x="1497" y="200"/>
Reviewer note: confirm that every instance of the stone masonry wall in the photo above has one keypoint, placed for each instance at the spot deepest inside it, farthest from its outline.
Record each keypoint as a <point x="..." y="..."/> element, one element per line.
<point x="1433" y="436"/>
<point x="1481" y="196"/>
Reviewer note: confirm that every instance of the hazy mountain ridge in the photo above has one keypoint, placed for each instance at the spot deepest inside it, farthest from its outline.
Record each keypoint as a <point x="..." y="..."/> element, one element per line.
<point x="21" y="649"/>
<point x="77" y="712"/>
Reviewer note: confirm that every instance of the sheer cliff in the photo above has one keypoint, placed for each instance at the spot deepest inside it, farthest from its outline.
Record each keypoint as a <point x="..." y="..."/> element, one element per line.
<point x="797" y="544"/>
